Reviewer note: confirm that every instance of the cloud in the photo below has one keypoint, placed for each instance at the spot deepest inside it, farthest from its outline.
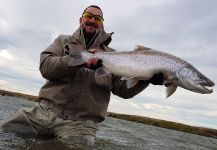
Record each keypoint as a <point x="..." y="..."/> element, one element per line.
<point x="5" y="27"/>
<point x="183" y="28"/>
<point x="184" y="106"/>
<point x="155" y="106"/>
<point x="18" y="71"/>
<point x="5" y="84"/>
<point x="4" y="54"/>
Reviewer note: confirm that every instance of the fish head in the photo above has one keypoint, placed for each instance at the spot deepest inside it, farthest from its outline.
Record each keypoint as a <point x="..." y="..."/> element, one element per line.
<point x="190" y="78"/>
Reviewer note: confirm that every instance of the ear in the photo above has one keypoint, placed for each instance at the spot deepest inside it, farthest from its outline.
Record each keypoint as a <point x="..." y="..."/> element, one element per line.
<point x="80" y="20"/>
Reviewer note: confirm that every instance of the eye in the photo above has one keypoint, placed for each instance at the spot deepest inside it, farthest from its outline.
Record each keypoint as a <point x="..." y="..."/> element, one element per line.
<point x="97" y="19"/>
<point x="87" y="15"/>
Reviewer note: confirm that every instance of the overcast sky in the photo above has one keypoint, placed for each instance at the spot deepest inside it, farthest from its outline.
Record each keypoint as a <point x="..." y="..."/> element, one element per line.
<point x="185" y="28"/>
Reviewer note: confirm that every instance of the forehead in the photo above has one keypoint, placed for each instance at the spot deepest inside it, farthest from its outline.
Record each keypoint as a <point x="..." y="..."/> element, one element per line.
<point x="94" y="11"/>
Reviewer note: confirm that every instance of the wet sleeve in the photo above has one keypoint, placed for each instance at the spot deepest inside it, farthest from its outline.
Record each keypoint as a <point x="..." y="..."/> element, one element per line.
<point x="53" y="62"/>
<point x="120" y="88"/>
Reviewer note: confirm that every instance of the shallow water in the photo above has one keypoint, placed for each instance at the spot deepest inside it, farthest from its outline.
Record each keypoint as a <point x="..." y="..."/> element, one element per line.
<point x="114" y="134"/>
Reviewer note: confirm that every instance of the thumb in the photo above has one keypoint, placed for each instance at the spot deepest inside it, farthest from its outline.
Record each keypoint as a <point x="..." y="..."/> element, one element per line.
<point x="92" y="50"/>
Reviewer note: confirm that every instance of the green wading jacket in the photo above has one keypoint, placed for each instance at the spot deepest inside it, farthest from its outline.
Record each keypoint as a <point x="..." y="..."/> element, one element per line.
<point x="71" y="90"/>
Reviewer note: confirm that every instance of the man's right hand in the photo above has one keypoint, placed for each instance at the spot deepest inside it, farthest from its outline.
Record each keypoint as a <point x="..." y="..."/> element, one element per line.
<point x="92" y="62"/>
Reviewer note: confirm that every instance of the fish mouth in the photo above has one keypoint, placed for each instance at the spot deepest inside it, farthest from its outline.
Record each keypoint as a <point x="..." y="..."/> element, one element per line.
<point x="208" y="84"/>
<point x="206" y="90"/>
<point x="205" y="86"/>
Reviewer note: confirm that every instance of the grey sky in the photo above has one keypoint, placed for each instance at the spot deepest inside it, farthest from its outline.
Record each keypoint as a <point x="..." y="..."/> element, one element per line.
<point x="184" y="28"/>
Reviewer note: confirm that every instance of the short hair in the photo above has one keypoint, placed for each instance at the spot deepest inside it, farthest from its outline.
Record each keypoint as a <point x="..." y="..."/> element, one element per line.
<point x="94" y="6"/>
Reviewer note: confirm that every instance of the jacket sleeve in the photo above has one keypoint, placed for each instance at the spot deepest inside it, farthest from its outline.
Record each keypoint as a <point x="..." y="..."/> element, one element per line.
<point x="53" y="62"/>
<point x="120" y="88"/>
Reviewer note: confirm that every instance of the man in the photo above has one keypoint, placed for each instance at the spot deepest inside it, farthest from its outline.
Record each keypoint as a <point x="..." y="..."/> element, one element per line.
<point x="73" y="102"/>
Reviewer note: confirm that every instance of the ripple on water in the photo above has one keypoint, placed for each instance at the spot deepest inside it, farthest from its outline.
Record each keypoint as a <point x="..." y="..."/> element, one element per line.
<point x="114" y="134"/>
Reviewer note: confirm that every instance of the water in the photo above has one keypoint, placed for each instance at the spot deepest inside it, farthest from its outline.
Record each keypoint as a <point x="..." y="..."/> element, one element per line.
<point x="114" y="134"/>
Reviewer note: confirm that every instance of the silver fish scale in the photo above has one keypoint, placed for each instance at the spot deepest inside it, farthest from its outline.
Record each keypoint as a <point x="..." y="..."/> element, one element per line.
<point x="140" y="64"/>
<point x="143" y="64"/>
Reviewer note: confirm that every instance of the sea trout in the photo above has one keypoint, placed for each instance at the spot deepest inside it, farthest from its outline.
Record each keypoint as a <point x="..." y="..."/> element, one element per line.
<point x="143" y="63"/>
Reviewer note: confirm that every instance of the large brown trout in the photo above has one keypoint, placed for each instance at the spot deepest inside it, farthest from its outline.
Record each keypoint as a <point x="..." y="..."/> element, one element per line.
<point x="143" y="63"/>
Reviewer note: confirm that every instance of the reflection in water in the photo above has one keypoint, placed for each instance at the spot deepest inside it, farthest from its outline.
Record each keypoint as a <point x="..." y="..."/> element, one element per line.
<point x="114" y="134"/>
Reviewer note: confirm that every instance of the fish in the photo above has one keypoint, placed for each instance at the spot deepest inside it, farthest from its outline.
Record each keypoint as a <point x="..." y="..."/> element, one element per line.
<point x="143" y="62"/>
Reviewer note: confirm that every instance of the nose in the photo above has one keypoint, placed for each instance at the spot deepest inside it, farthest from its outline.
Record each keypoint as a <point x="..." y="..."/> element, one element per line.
<point x="92" y="19"/>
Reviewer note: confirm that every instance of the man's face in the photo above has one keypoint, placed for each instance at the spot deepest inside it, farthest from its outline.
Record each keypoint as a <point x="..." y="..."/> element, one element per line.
<point x="91" y="20"/>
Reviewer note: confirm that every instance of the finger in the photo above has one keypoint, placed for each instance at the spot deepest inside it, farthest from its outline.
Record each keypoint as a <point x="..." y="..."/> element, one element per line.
<point x="164" y="77"/>
<point x="90" y="62"/>
<point x="95" y="61"/>
<point x="168" y="84"/>
<point x="92" y="50"/>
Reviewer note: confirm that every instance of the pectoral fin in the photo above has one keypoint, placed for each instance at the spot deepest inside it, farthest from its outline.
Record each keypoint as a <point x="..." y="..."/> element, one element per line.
<point x="170" y="90"/>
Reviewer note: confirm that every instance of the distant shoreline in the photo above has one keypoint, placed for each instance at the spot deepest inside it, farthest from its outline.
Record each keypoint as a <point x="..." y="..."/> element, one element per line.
<point x="139" y="119"/>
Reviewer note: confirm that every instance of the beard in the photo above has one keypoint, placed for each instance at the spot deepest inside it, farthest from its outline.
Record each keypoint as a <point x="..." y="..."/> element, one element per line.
<point x="89" y="28"/>
<point x="91" y="24"/>
<point x="87" y="34"/>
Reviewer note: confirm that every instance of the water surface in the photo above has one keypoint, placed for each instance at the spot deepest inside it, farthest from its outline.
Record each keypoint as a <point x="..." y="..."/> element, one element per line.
<point x="114" y="134"/>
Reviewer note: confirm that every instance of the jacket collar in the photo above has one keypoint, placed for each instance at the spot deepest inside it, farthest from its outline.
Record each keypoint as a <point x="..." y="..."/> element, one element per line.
<point x="101" y="37"/>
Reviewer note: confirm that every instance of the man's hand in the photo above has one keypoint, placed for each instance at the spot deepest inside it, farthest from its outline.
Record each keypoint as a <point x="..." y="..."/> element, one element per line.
<point x="158" y="79"/>
<point x="92" y="50"/>
<point x="94" y="63"/>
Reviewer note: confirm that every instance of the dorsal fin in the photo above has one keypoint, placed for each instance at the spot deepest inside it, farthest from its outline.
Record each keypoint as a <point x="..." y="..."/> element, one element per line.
<point x="141" y="48"/>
